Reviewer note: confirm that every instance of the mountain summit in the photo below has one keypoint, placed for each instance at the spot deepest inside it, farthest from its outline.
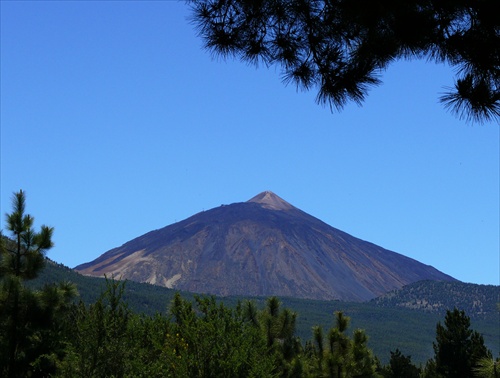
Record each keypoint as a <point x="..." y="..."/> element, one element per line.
<point x="271" y="201"/>
<point x="261" y="247"/>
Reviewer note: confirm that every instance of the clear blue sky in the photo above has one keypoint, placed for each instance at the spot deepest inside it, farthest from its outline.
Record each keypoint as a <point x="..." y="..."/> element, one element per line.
<point x="116" y="122"/>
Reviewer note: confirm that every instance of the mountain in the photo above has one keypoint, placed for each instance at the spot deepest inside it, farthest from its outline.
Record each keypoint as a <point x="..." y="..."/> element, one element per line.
<point x="261" y="247"/>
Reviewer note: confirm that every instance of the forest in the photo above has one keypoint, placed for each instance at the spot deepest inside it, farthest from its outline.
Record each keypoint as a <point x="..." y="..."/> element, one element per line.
<point x="48" y="332"/>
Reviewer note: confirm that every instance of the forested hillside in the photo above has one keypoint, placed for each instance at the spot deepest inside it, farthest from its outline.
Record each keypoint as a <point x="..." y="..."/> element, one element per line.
<point x="56" y="322"/>
<point x="142" y="298"/>
<point x="388" y="324"/>
<point x="478" y="301"/>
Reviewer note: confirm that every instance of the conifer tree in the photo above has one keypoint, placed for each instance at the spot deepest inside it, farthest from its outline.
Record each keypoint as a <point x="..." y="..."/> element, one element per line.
<point x="28" y="327"/>
<point x="401" y="366"/>
<point x="99" y="347"/>
<point x="341" y="47"/>
<point x="342" y="356"/>
<point x="487" y="368"/>
<point x="278" y="326"/>
<point x="458" y="349"/>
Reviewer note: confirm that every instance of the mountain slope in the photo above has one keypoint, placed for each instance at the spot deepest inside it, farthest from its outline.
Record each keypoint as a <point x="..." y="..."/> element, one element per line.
<point x="261" y="247"/>
<point x="437" y="297"/>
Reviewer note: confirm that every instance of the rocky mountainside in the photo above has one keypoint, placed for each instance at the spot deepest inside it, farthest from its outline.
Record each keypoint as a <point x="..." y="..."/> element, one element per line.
<point x="261" y="247"/>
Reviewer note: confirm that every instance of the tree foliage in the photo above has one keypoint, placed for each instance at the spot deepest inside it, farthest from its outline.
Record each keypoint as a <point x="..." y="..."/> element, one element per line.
<point x="45" y="333"/>
<point x="277" y="325"/>
<point x="30" y="321"/>
<point x="401" y="366"/>
<point x="341" y="47"/>
<point x="458" y="349"/>
<point x="336" y="355"/>
<point x="487" y="368"/>
<point x="213" y="340"/>
<point x="99" y="345"/>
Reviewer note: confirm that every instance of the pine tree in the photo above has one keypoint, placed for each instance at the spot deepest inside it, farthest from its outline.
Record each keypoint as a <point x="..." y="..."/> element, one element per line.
<point x="458" y="349"/>
<point x="212" y="340"/>
<point x="28" y="325"/>
<point x="401" y="366"/>
<point x="99" y="345"/>
<point x="278" y="326"/>
<point x="487" y="368"/>
<point x="341" y="47"/>
<point x="342" y="356"/>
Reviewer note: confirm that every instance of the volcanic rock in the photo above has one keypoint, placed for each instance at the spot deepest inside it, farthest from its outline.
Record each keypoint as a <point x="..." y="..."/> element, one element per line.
<point x="261" y="247"/>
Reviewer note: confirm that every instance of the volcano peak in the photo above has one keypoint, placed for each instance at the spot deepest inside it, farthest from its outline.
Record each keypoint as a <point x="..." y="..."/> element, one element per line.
<point x="271" y="201"/>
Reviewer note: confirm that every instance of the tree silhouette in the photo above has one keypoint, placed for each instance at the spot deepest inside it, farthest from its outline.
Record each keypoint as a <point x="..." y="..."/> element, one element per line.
<point x="458" y="349"/>
<point x="401" y="366"/>
<point x="341" y="47"/>
<point x="30" y="321"/>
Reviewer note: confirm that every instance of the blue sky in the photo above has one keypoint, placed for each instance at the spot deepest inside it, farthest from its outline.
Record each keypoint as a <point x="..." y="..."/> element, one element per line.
<point x="116" y="122"/>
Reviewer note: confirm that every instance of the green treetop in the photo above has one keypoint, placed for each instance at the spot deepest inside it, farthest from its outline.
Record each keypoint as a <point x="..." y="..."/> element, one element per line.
<point x="30" y="321"/>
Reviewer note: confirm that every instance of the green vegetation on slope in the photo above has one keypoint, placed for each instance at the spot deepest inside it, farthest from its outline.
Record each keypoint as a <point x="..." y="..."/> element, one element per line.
<point x="45" y="332"/>
<point x="387" y="324"/>
<point x="478" y="301"/>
